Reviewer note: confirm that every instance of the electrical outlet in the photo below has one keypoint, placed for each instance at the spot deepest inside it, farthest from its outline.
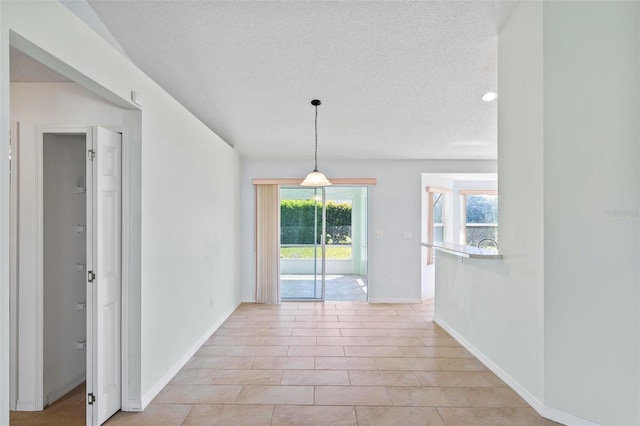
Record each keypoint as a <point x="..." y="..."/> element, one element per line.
<point x="379" y="235"/>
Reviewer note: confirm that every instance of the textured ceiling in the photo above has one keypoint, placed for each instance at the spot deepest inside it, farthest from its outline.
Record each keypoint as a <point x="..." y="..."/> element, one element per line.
<point x="397" y="80"/>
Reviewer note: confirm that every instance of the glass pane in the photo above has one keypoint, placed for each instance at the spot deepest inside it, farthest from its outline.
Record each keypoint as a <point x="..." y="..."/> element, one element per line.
<point x="346" y="243"/>
<point x="437" y="216"/>
<point x="482" y="219"/>
<point x="300" y="243"/>
<point x="438" y="233"/>
<point x="438" y="208"/>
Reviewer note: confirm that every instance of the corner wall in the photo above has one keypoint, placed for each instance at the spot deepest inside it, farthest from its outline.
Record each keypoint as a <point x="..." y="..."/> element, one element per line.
<point x="497" y="306"/>
<point x="4" y="222"/>
<point x="185" y="201"/>
<point x="592" y="204"/>
<point x="568" y="289"/>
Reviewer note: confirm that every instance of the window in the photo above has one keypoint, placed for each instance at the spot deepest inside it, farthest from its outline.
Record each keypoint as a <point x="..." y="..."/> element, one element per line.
<point x="436" y="219"/>
<point x="479" y="216"/>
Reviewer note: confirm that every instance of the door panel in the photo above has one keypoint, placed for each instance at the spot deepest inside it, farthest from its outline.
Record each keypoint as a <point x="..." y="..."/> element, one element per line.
<point x="105" y="290"/>
<point x="301" y="243"/>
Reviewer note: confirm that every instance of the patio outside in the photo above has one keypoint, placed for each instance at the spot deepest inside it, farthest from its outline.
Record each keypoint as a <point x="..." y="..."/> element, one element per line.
<point x="338" y="287"/>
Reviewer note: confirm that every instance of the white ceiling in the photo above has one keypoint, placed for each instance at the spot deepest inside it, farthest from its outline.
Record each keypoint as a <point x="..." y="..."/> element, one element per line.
<point x="397" y="80"/>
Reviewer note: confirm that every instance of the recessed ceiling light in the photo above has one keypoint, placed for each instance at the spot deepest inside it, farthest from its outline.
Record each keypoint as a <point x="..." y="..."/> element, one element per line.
<point x="489" y="96"/>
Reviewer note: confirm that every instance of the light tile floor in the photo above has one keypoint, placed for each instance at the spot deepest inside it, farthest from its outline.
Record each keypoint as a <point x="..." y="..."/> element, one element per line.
<point x="338" y="363"/>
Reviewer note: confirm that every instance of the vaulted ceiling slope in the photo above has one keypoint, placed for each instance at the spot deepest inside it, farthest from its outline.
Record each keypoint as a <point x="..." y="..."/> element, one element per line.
<point x="397" y="80"/>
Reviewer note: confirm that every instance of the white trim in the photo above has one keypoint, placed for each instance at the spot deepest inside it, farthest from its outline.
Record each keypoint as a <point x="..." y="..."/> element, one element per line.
<point x="155" y="390"/>
<point x="438" y="190"/>
<point x="532" y="400"/>
<point x="248" y="300"/>
<point x="565" y="418"/>
<point x="63" y="390"/>
<point x="392" y="300"/>
<point x="135" y="405"/>
<point x="28" y="405"/>
<point x="370" y="190"/>
<point x="90" y="215"/>
<point x="14" y="143"/>
<point x="125" y="265"/>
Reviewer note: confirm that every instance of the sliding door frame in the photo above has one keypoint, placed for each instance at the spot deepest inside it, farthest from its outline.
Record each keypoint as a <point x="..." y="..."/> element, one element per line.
<point x="323" y="258"/>
<point x="292" y="183"/>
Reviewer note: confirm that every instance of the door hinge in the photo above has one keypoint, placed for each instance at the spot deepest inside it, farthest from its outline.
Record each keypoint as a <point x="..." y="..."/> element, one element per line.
<point x="91" y="399"/>
<point x="91" y="276"/>
<point x="91" y="154"/>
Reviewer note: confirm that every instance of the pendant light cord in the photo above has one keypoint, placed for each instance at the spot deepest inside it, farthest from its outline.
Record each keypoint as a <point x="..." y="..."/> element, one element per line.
<point x="316" y="153"/>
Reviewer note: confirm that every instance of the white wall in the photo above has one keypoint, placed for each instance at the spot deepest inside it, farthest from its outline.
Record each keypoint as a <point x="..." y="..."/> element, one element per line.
<point x="497" y="305"/>
<point x="394" y="207"/>
<point x="591" y="165"/>
<point x="4" y="223"/>
<point x="559" y="316"/>
<point x="184" y="197"/>
<point x="64" y="162"/>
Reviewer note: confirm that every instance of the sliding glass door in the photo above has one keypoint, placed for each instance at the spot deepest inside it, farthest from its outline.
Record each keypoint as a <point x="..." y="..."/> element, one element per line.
<point x="302" y="243"/>
<point x="323" y="243"/>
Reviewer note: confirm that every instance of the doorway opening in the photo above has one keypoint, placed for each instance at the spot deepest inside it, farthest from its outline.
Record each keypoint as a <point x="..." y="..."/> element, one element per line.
<point x="78" y="289"/>
<point x="323" y="243"/>
<point x="64" y="265"/>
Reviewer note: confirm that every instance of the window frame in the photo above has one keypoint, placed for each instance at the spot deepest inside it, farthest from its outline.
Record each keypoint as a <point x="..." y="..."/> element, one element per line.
<point x="430" y="198"/>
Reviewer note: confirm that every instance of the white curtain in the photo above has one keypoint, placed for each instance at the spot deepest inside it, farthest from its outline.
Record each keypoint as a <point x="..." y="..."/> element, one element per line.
<point x="268" y="244"/>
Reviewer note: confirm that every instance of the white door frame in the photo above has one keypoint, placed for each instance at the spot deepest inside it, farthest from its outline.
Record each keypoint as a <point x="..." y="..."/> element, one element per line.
<point x="14" y="143"/>
<point x="38" y="368"/>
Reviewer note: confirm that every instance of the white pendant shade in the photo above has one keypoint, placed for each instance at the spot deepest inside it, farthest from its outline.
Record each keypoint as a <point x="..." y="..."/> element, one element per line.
<point x="315" y="179"/>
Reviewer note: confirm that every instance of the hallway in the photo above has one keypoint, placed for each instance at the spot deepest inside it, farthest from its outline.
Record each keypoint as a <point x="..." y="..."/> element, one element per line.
<point x="347" y="363"/>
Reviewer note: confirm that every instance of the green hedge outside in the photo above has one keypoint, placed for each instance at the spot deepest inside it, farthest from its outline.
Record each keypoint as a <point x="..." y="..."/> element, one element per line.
<point x="297" y="217"/>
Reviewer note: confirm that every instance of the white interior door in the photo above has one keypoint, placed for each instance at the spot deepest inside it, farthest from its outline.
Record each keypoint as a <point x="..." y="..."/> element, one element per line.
<point x="104" y="254"/>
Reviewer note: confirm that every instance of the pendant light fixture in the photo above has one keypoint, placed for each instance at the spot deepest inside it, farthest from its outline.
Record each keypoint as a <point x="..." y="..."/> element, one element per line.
<point x="316" y="178"/>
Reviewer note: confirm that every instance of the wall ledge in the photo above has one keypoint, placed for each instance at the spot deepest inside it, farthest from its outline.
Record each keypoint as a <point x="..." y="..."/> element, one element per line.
<point x="532" y="400"/>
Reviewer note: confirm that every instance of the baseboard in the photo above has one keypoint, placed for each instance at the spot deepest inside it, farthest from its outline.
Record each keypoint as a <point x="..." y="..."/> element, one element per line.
<point x="56" y="394"/>
<point x="155" y="390"/>
<point x="565" y="418"/>
<point x="248" y="300"/>
<point x="532" y="400"/>
<point x="135" y="405"/>
<point x="22" y="405"/>
<point x="383" y="300"/>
